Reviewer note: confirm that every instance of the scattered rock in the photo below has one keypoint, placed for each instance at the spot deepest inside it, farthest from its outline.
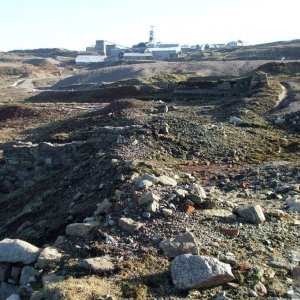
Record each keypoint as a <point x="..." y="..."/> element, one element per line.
<point x="15" y="250"/>
<point x="48" y="257"/>
<point x="260" y="289"/>
<point x="293" y="204"/>
<point x="79" y="229"/>
<point x="253" y="214"/>
<point x="99" y="265"/>
<point x="235" y="120"/>
<point x="27" y="275"/>
<point x="102" y="207"/>
<point x="229" y="231"/>
<point x="279" y="262"/>
<point x="129" y="225"/>
<point x="193" y="272"/>
<point x="148" y="198"/>
<point x="167" y="212"/>
<point x="145" y="181"/>
<point x="189" y="209"/>
<point x="180" y="244"/>
<point x="167" y="181"/>
<point x="181" y="193"/>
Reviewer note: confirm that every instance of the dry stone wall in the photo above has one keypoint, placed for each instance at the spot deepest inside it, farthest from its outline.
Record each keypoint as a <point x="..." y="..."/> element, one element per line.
<point x="24" y="163"/>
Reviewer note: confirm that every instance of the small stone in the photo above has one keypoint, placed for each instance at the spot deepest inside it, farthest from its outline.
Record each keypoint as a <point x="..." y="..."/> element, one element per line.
<point x="145" y="181"/>
<point x="189" y="209"/>
<point x="15" y="250"/>
<point x="103" y="207"/>
<point x="180" y="244"/>
<point x="252" y="294"/>
<point x="181" y="193"/>
<point x="79" y="229"/>
<point x="127" y="224"/>
<point x="27" y="275"/>
<point x="167" y="181"/>
<point x="293" y="204"/>
<point x="279" y="262"/>
<point x="167" y="212"/>
<point x="49" y="257"/>
<point x="99" y="265"/>
<point x="253" y="214"/>
<point x="194" y="272"/>
<point x="260" y="289"/>
<point x="148" y="198"/>
<point x="198" y="190"/>
<point x="229" y="231"/>
<point x="77" y="196"/>
<point x="153" y="207"/>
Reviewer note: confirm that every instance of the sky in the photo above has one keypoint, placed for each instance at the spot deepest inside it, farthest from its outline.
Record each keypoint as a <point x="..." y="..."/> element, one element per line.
<point x="76" y="24"/>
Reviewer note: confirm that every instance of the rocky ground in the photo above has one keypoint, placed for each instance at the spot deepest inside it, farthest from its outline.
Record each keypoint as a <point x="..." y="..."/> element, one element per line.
<point x="177" y="201"/>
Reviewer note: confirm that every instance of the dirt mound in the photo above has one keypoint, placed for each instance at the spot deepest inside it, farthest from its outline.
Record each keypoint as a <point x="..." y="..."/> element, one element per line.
<point x="202" y="68"/>
<point x="126" y="106"/>
<point x="12" y="112"/>
<point x="275" y="68"/>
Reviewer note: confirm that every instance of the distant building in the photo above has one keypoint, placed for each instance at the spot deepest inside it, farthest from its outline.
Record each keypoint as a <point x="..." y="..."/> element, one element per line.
<point x="90" y="49"/>
<point x="233" y="44"/>
<point x="89" y="59"/>
<point x="164" y="53"/>
<point x="137" y="56"/>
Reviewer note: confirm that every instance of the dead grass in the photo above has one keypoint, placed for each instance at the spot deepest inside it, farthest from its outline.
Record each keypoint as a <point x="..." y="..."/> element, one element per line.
<point x="85" y="288"/>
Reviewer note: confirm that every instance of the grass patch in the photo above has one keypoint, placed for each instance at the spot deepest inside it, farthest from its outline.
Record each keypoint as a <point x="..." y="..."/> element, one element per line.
<point x="85" y="288"/>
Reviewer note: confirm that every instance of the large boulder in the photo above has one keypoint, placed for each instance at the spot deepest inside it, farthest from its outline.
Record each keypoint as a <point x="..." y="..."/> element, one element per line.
<point x="180" y="244"/>
<point x="193" y="272"/>
<point x="253" y="214"/>
<point x="15" y="251"/>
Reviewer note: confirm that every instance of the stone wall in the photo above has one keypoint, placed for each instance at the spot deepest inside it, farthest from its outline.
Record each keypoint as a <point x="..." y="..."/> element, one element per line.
<point x="24" y="163"/>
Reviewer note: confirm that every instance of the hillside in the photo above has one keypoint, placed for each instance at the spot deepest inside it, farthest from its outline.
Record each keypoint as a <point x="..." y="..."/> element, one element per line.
<point x="129" y="190"/>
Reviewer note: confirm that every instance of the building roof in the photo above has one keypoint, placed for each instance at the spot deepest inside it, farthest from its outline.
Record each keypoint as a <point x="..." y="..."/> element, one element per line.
<point x="174" y="49"/>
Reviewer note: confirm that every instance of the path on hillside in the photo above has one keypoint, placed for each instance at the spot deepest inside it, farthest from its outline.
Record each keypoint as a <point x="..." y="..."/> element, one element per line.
<point x="289" y="100"/>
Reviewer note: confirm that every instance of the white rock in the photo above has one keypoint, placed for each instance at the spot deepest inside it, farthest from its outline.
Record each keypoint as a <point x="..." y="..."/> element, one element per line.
<point x="253" y="214"/>
<point x="235" y="120"/>
<point x="193" y="272"/>
<point x="14" y="297"/>
<point x="14" y="251"/>
<point x="148" y="198"/>
<point x="167" y="181"/>
<point x="129" y="225"/>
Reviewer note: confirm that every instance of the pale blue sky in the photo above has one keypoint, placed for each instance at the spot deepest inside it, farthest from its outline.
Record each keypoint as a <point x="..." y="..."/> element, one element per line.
<point x="75" y="24"/>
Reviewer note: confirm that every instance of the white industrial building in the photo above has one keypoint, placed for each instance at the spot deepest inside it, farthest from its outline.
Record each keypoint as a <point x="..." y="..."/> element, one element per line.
<point x="164" y="53"/>
<point x="89" y="59"/>
<point x="138" y="56"/>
